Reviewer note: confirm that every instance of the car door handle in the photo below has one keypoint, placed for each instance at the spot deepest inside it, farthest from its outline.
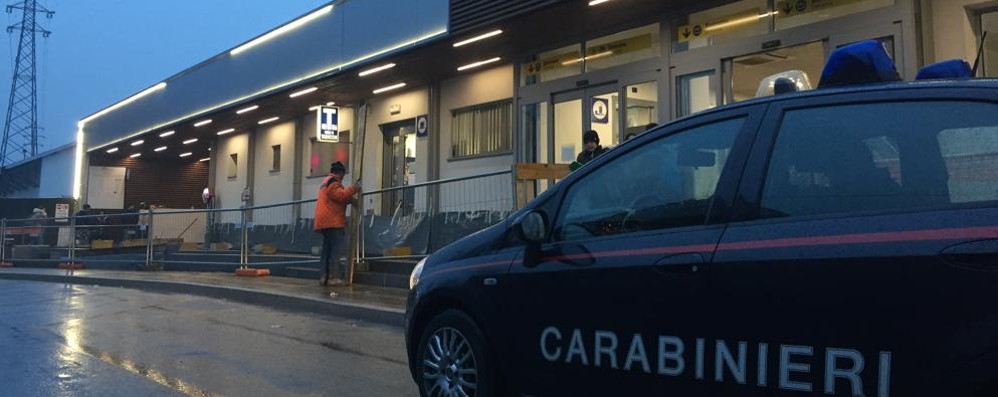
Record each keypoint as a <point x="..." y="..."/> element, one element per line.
<point x="978" y="254"/>
<point x="685" y="263"/>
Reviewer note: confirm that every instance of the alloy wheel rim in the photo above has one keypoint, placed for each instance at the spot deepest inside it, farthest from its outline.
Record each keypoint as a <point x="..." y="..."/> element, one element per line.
<point x="449" y="366"/>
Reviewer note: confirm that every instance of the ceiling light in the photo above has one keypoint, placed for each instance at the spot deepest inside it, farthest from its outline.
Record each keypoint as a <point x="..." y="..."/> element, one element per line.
<point x="330" y="103"/>
<point x="204" y="159"/>
<point x="481" y="37"/>
<point x="202" y="123"/>
<point x="376" y="70"/>
<point x="265" y="121"/>
<point x="159" y="149"/>
<point x="308" y="90"/>
<point x="389" y="88"/>
<point x="136" y="155"/>
<point x="190" y="141"/>
<point x="595" y="2"/>
<point x="477" y="64"/>
<point x="138" y="142"/>
<point x="112" y="150"/>
<point x="249" y="109"/>
<point x="282" y="30"/>
<point x="185" y="154"/>
<point x="223" y="132"/>
<point x="314" y="108"/>
<point x="166" y="134"/>
<point x="128" y="100"/>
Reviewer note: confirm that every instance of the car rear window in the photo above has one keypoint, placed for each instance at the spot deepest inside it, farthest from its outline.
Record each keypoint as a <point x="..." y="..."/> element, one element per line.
<point x="883" y="156"/>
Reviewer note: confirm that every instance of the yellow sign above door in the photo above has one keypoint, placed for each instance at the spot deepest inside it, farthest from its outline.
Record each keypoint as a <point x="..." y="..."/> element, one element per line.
<point x="792" y="8"/>
<point x="703" y="29"/>
<point x="616" y="47"/>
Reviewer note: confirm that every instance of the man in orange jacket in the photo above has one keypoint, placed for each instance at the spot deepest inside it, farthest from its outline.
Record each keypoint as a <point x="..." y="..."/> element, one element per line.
<point x="330" y="220"/>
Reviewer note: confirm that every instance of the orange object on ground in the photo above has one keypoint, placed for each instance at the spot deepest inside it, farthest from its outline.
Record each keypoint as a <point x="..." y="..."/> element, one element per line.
<point x="71" y="266"/>
<point x="247" y="272"/>
<point x="331" y="207"/>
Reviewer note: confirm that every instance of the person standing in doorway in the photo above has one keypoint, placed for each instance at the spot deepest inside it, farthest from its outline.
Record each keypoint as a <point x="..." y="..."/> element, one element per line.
<point x="330" y="221"/>
<point x="591" y="147"/>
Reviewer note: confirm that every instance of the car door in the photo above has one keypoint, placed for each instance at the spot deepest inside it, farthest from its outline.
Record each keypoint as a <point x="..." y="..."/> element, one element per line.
<point x="613" y="302"/>
<point x="862" y="254"/>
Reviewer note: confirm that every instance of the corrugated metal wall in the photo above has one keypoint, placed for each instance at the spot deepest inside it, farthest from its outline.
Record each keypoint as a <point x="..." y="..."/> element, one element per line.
<point x="168" y="183"/>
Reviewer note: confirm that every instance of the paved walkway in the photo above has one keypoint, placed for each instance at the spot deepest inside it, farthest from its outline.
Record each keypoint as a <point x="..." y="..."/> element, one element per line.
<point x="375" y="304"/>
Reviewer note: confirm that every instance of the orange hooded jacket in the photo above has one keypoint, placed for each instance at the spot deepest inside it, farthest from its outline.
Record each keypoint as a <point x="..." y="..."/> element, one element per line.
<point x="331" y="207"/>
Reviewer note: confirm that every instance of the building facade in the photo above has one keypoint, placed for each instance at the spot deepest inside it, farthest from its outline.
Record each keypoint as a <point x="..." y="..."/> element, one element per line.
<point x="436" y="89"/>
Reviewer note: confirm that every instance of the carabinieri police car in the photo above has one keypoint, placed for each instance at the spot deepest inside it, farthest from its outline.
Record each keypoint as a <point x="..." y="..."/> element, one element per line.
<point x="841" y="241"/>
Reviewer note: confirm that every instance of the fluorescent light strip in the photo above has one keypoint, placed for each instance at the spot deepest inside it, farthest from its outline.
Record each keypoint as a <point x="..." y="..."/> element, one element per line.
<point x="223" y="132"/>
<point x="588" y="58"/>
<point x="282" y="30"/>
<point x="330" y="103"/>
<point x="112" y="150"/>
<point x="203" y="122"/>
<point x="278" y="86"/>
<point x="185" y="154"/>
<point x="137" y="143"/>
<point x="376" y="70"/>
<point x="159" y="149"/>
<point x="477" y="64"/>
<point x="166" y="134"/>
<point x="265" y="121"/>
<point x="249" y="109"/>
<point x="314" y="108"/>
<point x="303" y="92"/>
<point x="136" y="155"/>
<point x="595" y="2"/>
<point x="477" y="38"/>
<point x="389" y="88"/>
<point x="190" y="141"/>
<point x="204" y="159"/>
<point x="128" y="100"/>
<point x="77" y="166"/>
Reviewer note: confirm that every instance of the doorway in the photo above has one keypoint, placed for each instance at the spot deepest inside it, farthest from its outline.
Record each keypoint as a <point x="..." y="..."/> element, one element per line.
<point x="744" y="74"/>
<point x="398" y="165"/>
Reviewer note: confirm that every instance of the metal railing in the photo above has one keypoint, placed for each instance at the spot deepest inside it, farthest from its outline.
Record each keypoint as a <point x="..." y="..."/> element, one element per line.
<point x="407" y="221"/>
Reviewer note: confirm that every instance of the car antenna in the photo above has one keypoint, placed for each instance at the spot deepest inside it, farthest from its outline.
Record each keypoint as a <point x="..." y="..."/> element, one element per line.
<point x="980" y="54"/>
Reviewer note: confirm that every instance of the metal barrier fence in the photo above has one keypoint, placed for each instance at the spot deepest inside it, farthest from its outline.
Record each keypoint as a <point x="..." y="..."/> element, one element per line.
<point x="408" y="221"/>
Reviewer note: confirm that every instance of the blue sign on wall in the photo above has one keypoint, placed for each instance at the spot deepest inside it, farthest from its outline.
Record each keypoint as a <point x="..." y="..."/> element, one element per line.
<point x="327" y="124"/>
<point x="422" y="126"/>
<point x="601" y="110"/>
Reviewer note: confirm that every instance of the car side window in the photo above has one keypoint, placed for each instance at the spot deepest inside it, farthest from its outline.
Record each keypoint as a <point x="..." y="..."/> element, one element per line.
<point x="665" y="183"/>
<point x="867" y="157"/>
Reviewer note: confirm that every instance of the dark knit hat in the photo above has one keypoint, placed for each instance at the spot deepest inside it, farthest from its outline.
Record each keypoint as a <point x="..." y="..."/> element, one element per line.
<point x="337" y="168"/>
<point x="590" y="136"/>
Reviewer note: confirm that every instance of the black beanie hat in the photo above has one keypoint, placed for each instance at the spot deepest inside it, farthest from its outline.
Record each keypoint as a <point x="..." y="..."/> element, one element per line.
<point x="590" y="136"/>
<point x="337" y="168"/>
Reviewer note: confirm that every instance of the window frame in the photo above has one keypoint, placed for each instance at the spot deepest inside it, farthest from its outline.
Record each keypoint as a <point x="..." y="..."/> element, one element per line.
<point x="275" y="159"/>
<point x="511" y="132"/>
<point x="750" y="191"/>
<point x="721" y="204"/>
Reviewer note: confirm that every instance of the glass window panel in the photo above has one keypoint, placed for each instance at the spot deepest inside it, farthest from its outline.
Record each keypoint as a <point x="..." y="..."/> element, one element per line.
<point x="642" y="108"/>
<point x="697" y="92"/>
<point x="567" y="131"/>
<point x="481" y="129"/>
<point x="624" y="47"/>
<point x="989" y="23"/>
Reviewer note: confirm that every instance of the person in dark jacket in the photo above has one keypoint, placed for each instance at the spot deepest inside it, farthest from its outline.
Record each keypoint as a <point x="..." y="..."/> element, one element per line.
<point x="591" y="147"/>
<point x="330" y="220"/>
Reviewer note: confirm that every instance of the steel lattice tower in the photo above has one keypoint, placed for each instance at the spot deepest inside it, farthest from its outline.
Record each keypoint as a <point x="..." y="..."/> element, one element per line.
<point x="20" y="131"/>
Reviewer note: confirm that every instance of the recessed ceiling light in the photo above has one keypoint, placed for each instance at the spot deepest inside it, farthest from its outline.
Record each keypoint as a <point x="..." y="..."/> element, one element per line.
<point x="249" y="109"/>
<point x="190" y="141"/>
<point x="303" y="92"/>
<point x="202" y="122"/>
<point x="166" y="134"/>
<point x="376" y="69"/>
<point x="138" y="142"/>
<point x="595" y="2"/>
<point x="159" y="149"/>
<point x="223" y="132"/>
<point x="136" y="155"/>
<point x="389" y="88"/>
<point x="477" y="64"/>
<point x="205" y="159"/>
<point x="330" y="103"/>
<point x="112" y="150"/>
<point x="265" y="121"/>
<point x="185" y="154"/>
<point x="479" y="37"/>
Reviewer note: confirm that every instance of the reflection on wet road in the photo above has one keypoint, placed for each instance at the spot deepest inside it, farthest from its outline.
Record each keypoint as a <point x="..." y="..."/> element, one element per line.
<point x="71" y="340"/>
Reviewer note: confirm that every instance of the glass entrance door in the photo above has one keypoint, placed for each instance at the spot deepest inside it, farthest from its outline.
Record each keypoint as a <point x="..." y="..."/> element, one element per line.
<point x="399" y="158"/>
<point x="596" y="108"/>
<point x="744" y="74"/>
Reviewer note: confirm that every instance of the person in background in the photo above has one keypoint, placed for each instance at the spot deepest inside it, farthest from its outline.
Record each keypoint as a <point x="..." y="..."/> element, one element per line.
<point x="82" y="221"/>
<point x="330" y="221"/>
<point x="591" y="147"/>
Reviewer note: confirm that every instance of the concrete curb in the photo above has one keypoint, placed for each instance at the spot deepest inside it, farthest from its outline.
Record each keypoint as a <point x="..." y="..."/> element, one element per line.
<point x="369" y="313"/>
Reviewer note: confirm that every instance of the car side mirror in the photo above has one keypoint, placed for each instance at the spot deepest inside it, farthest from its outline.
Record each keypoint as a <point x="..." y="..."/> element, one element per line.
<point x="533" y="227"/>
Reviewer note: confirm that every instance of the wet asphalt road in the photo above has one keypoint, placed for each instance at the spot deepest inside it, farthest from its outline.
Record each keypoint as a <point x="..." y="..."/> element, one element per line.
<point x="72" y="340"/>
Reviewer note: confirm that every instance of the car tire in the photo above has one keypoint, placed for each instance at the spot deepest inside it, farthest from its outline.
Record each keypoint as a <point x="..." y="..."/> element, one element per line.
<point x="453" y="357"/>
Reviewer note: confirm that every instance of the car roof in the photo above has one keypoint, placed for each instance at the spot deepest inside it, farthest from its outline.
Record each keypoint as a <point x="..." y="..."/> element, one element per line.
<point x="900" y="86"/>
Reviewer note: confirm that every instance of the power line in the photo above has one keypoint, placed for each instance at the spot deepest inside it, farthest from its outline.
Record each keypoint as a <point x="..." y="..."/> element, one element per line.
<point x="20" y="132"/>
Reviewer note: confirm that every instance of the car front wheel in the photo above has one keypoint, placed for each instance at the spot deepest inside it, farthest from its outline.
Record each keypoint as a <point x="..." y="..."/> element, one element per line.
<point x="453" y="358"/>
